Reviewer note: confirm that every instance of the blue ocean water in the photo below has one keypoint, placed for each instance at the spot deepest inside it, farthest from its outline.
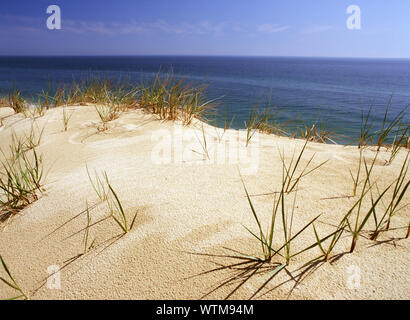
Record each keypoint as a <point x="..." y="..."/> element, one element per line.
<point x="335" y="90"/>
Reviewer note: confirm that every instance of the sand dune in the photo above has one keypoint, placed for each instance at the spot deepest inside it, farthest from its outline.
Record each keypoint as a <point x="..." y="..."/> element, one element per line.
<point x="192" y="210"/>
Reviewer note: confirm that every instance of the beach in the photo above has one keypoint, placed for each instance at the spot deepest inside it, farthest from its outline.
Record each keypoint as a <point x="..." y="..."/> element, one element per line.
<point x="191" y="211"/>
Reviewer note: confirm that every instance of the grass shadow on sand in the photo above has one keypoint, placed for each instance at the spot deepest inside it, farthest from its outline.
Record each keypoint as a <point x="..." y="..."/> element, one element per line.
<point x="244" y="268"/>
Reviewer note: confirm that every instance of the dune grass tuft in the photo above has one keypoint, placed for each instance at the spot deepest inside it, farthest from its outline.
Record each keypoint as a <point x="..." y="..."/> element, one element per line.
<point x="16" y="101"/>
<point x="280" y="208"/>
<point x="66" y="118"/>
<point x="316" y="133"/>
<point x="392" y="207"/>
<point x="106" y="114"/>
<point x="173" y="99"/>
<point x="105" y="191"/>
<point x="21" y="179"/>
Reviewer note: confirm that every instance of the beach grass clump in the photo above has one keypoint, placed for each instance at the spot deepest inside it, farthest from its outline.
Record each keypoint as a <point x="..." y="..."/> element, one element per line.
<point x="106" y="193"/>
<point x="98" y="92"/>
<point x="263" y="121"/>
<point x="359" y="219"/>
<point x="34" y="137"/>
<point x="317" y="132"/>
<point x="384" y="134"/>
<point x="21" y="179"/>
<point x="281" y="208"/>
<point x="401" y="140"/>
<point x="16" y="101"/>
<point x="12" y="283"/>
<point x="391" y="132"/>
<point x="107" y="113"/>
<point x="328" y="243"/>
<point x="66" y="118"/>
<point x="252" y="124"/>
<point x="393" y="205"/>
<point x="117" y="211"/>
<point x="174" y="99"/>
<point x="99" y="184"/>
<point x="285" y="215"/>
<point x="36" y="111"/>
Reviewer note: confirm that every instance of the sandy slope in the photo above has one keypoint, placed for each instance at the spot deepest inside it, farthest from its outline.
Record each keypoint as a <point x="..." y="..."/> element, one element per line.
<point x="191" y="216"/>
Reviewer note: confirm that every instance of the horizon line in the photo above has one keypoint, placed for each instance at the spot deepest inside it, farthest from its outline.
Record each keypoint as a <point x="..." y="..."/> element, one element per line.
<point x="191" y="55"/>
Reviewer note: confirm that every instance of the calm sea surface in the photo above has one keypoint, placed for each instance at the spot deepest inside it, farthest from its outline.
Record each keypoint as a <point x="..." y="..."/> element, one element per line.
<point x="332" y="90"/>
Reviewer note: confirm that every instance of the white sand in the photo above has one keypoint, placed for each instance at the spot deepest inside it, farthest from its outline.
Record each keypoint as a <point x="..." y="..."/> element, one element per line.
<point x="187" y="206"/>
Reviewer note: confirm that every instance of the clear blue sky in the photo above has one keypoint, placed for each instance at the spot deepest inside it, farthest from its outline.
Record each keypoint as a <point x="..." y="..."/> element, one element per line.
<point x="199" y="27"/>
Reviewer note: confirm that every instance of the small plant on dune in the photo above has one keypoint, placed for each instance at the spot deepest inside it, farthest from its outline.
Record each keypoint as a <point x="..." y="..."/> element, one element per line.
<point x="59" y="97"/>
<point x="174" y="99"/>
<point x="252" y="124"/>
<point x="106" y="192"/>
<point x="152" y="96"/>
<point x="12" y="283"/>
<point x="385" y="134"/>
<point x="34" y="112"/>
<point x="281" y="209"/>
<point x="292" y="177"/>
<point x="387" y="127"/>
<point x="360" y="220"/>
<point x="393" y="206"/>
<point x="335" y="236"/>
<point x="117" y="211"/>
<point x="34" y="137"/>
<point x="97" y="91"/>
<point x="66" y="118"/>
<point x="107" y="113"/>
<point x="20" y="180"/>
<point x="16" y="101"/>
<point x="262" y="121"/>
<point x="195" y="106"/>
<point x="99" y="185"/>
<point x="401" y="140"/>
<point x="316" y="133"/>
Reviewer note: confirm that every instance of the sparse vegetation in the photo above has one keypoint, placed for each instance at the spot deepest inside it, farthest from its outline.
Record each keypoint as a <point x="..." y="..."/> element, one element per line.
<point x="99" y="185"/>
<point x="316" y="133"/>
<point x="393" y="205"/>
<point x="106" y="114"/>
<point x="66" y="118"/>
<point x="21" y="179"/>
<point x="293" y="175"/>
<point x="174" y="99"/>
<point x="106" y="193"/>
<point x="12" y="283"/>
<point x="16" y="101"/>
